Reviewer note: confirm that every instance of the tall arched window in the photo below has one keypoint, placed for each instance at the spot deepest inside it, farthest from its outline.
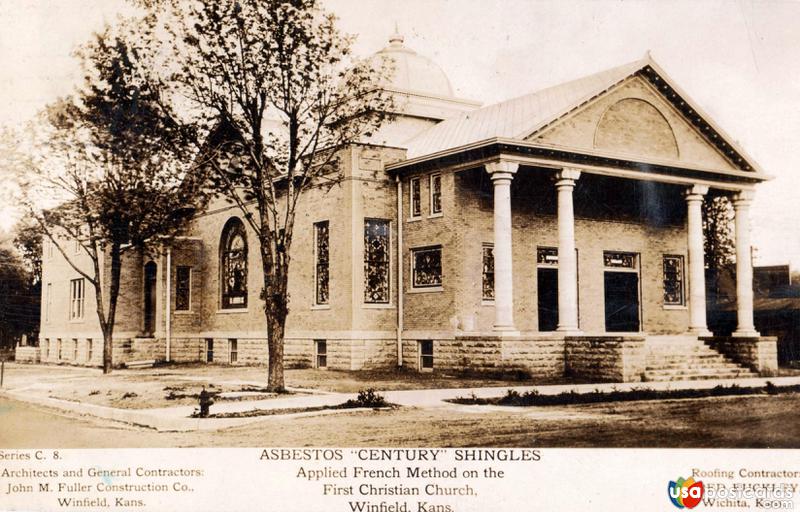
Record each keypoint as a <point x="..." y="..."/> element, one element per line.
<point x="233" y="265"/>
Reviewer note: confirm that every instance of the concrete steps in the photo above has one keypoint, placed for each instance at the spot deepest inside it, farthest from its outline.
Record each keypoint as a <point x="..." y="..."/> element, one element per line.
<point x="674" y="358"/>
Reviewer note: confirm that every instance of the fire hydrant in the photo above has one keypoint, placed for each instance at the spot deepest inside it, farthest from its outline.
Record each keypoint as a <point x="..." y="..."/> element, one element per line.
<point x="205" y="403"/>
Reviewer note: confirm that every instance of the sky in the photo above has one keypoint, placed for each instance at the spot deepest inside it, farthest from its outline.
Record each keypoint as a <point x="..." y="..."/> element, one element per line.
<point x="737" y="59"/>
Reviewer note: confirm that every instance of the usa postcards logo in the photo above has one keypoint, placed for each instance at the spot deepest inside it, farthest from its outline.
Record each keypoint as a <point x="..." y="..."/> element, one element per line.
<point x="685" y="493"/>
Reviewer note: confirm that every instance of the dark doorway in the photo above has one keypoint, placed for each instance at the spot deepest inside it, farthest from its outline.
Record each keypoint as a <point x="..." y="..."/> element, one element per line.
<point x="622" y="301"/>
<point x="150" y="298"/>
<point x="547" y="294"/>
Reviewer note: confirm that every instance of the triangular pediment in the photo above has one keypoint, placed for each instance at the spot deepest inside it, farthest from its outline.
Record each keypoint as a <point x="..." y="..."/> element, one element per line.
<point x="639" y="120"/>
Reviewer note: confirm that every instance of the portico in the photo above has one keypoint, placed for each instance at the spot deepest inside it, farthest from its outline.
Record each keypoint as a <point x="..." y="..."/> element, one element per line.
<point x="502" y="173"/>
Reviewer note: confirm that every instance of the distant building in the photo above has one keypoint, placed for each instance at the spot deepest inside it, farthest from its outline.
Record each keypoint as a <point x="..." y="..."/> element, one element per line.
<point x="557" y="232"/>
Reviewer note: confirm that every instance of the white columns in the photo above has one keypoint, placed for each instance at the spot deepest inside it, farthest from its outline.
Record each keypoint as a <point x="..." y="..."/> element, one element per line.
<point x="744" y="266"/>
<point x="697" y="277"/>
<point x="567" y="261"/>
<point x="502" y="173"/>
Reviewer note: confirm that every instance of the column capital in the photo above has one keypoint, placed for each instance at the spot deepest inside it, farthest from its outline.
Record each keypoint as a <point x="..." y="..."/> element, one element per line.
<point x="568" y="173"/>
<point x="566" y="177"/>
<point x="501" y="170"/>
<point x="743" y="198"/>
<point x="695" y="192"/>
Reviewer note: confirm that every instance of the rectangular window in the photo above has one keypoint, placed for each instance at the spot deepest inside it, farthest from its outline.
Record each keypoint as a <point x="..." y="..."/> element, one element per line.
<point x="89" y="349"/>
<point x="77" y="246"/>
<point x="415" y="200"/>
<point x="74" y="349"/>
<point x="427" y="267"/>
<point x="183" y="288"/>
<point x="58" y="349"/>
<point x="623" y="260"/>
<point x="209" y="350"/>
<point x="436" y="193"/>
<point x="426" y="355"/>
<point x="322" y="267"/>
<point x="673" y="280"/>
<point x="488" y="272"/>
<point x="321" y="348"/>
<point x="76" y="293"/>
<point x="547" y="256"/>
<point x="48" y="302"/>
<point x="233" y="345"/>
<point x="377" y="258"/>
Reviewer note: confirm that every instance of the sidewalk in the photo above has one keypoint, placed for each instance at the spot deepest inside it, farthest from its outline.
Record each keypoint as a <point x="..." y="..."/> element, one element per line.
<point x="177" y="418"/>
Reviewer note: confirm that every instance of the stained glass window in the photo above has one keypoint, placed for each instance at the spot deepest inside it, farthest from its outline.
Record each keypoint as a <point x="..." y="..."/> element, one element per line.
<point x="416" y="198"/>
<point x="488" y="272"/>
<point x="377" y="253"/>
<point x="673" y="281"/>
<point x="619" y="259"/>
<point x="233" y="264"/>
<point x="547" y="256"/>
<point x="436" y="193"/>
<point x="427" y="272"/>
<point x="183" y="288"/>
<point x="323" y="262"/>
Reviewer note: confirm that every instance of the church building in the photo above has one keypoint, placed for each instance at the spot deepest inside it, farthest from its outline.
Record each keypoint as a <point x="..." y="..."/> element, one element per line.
<point x="556" y="233"/>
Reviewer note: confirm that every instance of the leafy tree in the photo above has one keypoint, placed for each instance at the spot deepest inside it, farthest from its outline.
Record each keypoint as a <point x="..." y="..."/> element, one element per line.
<point x="275" y="81"/>
<point x="19" y="298"/>
<point x="718" y="240"/>
<point x="122" y="173"/>
<point x="28" y="242"/>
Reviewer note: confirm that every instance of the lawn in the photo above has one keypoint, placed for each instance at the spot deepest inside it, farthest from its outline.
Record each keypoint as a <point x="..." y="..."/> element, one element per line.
<point x="720" y="422"/>
<point x="175" y="385"/>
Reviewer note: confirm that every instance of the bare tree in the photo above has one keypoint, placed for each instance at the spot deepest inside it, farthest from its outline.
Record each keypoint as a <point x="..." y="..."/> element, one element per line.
<point x="278" y="78"/>
<point x="119" y="174"/>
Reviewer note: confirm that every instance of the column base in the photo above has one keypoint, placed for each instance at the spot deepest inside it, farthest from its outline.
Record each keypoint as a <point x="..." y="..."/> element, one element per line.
<point x="700" y="332"/>
<point x="569" y="331"/>
<point x="505" y="330"/>
<point x="742" y="333"/>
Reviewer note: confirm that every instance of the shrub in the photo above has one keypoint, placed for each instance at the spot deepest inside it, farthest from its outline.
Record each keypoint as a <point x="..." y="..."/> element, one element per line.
<point x="367" y="398"/>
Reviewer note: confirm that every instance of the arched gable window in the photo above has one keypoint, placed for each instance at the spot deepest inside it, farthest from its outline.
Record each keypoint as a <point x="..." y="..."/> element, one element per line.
<point x="233" y="265"/>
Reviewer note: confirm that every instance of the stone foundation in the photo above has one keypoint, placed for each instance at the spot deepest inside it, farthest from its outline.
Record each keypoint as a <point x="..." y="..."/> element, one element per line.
<point x="537" y="357"/>
<point x="26" y="354"/>
<point x="759" y="354"/>
<point x="605" y="358"/>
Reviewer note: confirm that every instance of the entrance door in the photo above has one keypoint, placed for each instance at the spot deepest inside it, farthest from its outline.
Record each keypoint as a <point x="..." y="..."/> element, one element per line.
<point x="547" y="294"/>
<point x="150" y="298"/>
<point x="622" y="301"/>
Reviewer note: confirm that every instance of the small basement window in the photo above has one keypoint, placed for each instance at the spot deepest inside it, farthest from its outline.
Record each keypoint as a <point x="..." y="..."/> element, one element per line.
<point x="321" y="349"/>
<point x="426" y="355"/>
<point x="209" y="350"/>
<point x="233" y="344"/>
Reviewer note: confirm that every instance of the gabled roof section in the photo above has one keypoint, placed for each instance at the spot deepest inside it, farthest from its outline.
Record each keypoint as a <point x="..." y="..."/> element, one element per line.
<point x="520" y="118"/>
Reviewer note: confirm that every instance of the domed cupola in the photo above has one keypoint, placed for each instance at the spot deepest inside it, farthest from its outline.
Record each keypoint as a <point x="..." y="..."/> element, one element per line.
<point x="412" y="72"/>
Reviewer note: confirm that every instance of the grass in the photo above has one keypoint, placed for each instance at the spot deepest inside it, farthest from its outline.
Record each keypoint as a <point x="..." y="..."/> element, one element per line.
<point x="755" y="421"/>
<point x="180" y="384"/>
<point x="533" y="398"/>
<point x="366" y="399"/>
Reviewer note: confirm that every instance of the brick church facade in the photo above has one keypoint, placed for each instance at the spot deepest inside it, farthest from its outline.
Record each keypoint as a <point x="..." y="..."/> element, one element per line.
<point x="557" y="233"/>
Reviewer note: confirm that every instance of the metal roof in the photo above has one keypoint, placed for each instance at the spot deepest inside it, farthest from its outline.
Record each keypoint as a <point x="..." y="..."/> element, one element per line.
<point x="521" y="117"/>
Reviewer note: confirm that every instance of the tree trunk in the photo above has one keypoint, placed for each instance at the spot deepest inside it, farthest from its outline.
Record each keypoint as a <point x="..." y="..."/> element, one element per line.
<point x="113" y="295"/>
<point x="275" y="310"/>
<point x="275" y="342"/>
